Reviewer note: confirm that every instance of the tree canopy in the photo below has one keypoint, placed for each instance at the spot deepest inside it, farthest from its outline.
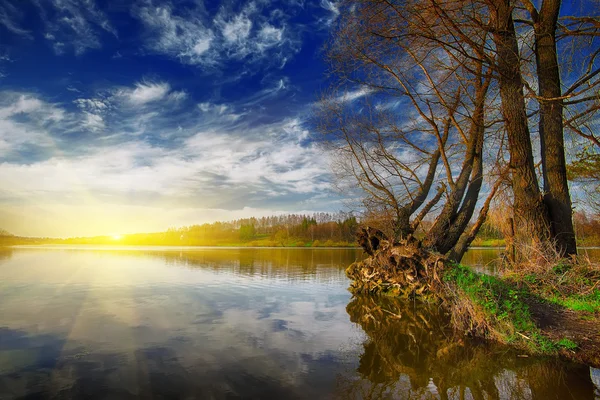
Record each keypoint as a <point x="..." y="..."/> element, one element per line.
<point x="436" y="105"/>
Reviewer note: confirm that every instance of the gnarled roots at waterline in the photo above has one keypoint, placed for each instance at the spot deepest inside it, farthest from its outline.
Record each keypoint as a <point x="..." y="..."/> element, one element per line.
<point x="402" y="268"/>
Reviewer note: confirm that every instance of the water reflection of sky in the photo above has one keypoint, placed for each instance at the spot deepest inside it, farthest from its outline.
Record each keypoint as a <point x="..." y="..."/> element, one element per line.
<point x="215" y="324"/>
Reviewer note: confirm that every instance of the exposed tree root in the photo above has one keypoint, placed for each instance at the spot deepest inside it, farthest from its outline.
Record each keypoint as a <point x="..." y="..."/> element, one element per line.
<point x="478" y="305"/>
<point x="403" y="268"/>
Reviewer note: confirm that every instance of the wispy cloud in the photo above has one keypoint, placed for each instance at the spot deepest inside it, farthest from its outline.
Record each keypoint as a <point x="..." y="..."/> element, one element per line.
<point x="74" y="24"/>
<point x="219" y="110"/>
<point x="182" y="37"/>
<point x="93" y="122"/>
<point x="348" y="96"/>
<point x="16" y="104"/>
<point x="200" y="166"/>
<point x="94" y="105"/>
<point x="195" y="38"/>
<point x="216" y="161"/>
<point x="334" y="11"/>
<point x="331" y="6"/>
<point x="146" y="92"/>
<point x="26" y="121"/>
<point x="354" y="94"/>
<point x="160" y="135"/>
<point x="236" y="30"/>
<point x="127" y="109"/>
<point x="10" y="17"/>
<point x="93" y="113"/>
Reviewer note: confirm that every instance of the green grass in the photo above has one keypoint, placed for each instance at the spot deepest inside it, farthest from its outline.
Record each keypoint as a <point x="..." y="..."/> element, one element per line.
<point x="561" y="280"/>
<point x="586" y="303"/>
<point x="504" y="309"/>
<point x="478" y="242"/>
<point x="567" y="344"/>
<point x="495" y="296"/>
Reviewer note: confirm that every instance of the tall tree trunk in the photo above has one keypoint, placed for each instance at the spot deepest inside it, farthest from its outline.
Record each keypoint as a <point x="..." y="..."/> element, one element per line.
<point x="403" y="227"/>
<point x="556" y="190"/>
<point x="454" y="218"/>
<point x="529" y="209"/>
<point x="462" y="245"/>
<point x="438" y="235"/>
<point x="460" y="222"/>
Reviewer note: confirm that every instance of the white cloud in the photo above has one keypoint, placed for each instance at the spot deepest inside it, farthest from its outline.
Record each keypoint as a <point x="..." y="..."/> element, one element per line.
<point x="184" y="38"/>
<point x="178" y="96"/>
<point x="354" y="94"/>
<point x="146" y="93"/>
<point x="95" y="105"/>
<point x="33" y="131"/>
<point x="93" y="111"/>
<point x="29" y="104"/>
<point x="24" y="104"/>
<point x="201" y="164"/>
<point x="334" y="10"/>
<point x="331" y="6"/>
<point x="119" y="103"/>
<point x="269" y="36"/>
<point x="350" y="96"/>
<point x="10" y="16"/>
<point x="93" y="122"/>
<point x="202" y="46"/>
<point x="194" y="38"/>
<point x="210" y="158"/>
<point x="75" y="24"/>
<point x="221" y="111"/>
<point x="237" y="29"/>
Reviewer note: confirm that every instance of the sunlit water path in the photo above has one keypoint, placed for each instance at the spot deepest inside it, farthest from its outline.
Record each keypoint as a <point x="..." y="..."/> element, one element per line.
<point x="240" y="323"/>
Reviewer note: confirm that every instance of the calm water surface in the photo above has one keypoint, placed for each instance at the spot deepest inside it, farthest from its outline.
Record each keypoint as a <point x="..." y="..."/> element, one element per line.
<point x="240" y="323"/>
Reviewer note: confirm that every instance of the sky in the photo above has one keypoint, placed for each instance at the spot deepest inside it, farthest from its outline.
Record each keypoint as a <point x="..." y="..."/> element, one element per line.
<point x="133" y="116"/>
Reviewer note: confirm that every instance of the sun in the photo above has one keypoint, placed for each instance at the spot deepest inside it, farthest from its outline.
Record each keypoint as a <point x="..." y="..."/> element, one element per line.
<point x="117" y="237"/>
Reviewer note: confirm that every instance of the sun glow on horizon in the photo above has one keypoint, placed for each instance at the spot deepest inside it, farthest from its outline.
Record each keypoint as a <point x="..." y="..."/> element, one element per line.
<point x="117" y="237"/>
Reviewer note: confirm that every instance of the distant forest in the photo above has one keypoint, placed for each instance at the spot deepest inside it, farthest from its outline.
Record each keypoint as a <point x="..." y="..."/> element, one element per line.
<point x="293" y="230"/>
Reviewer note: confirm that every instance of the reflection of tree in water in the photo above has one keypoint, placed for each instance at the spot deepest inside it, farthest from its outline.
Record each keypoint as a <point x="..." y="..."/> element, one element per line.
<point x="411" y="354"/>
<point x="5" y="253"/>
<point x="595" y="375"/>
<point x="287" y="263"/>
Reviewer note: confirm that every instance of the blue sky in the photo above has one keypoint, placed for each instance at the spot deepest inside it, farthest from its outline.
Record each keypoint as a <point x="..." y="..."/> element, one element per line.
<point x="122" y="116"/>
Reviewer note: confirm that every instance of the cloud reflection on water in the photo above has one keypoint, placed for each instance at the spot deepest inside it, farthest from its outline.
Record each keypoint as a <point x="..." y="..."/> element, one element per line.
<point x="242" y="323"/>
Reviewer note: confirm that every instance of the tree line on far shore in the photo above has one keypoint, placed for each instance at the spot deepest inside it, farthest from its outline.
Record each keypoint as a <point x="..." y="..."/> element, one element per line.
<point x="297" y="230"/>
<point x="292" y="230"/>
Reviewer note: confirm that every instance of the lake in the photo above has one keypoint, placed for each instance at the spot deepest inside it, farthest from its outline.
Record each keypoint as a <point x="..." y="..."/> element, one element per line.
<point x="223" y="323"/>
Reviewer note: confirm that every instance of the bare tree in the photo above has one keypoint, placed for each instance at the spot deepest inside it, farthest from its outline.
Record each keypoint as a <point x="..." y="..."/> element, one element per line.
<point x="442" y="63"/>
<point x="421" y="117"/>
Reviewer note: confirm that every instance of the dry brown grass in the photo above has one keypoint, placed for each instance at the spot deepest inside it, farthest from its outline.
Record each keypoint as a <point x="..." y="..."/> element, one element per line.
<point x="546" y="272"/>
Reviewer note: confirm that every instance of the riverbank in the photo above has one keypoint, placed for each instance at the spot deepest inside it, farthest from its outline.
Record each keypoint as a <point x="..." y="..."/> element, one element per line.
<point x="556" y="312"/>
<point x="540" y="309"/>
